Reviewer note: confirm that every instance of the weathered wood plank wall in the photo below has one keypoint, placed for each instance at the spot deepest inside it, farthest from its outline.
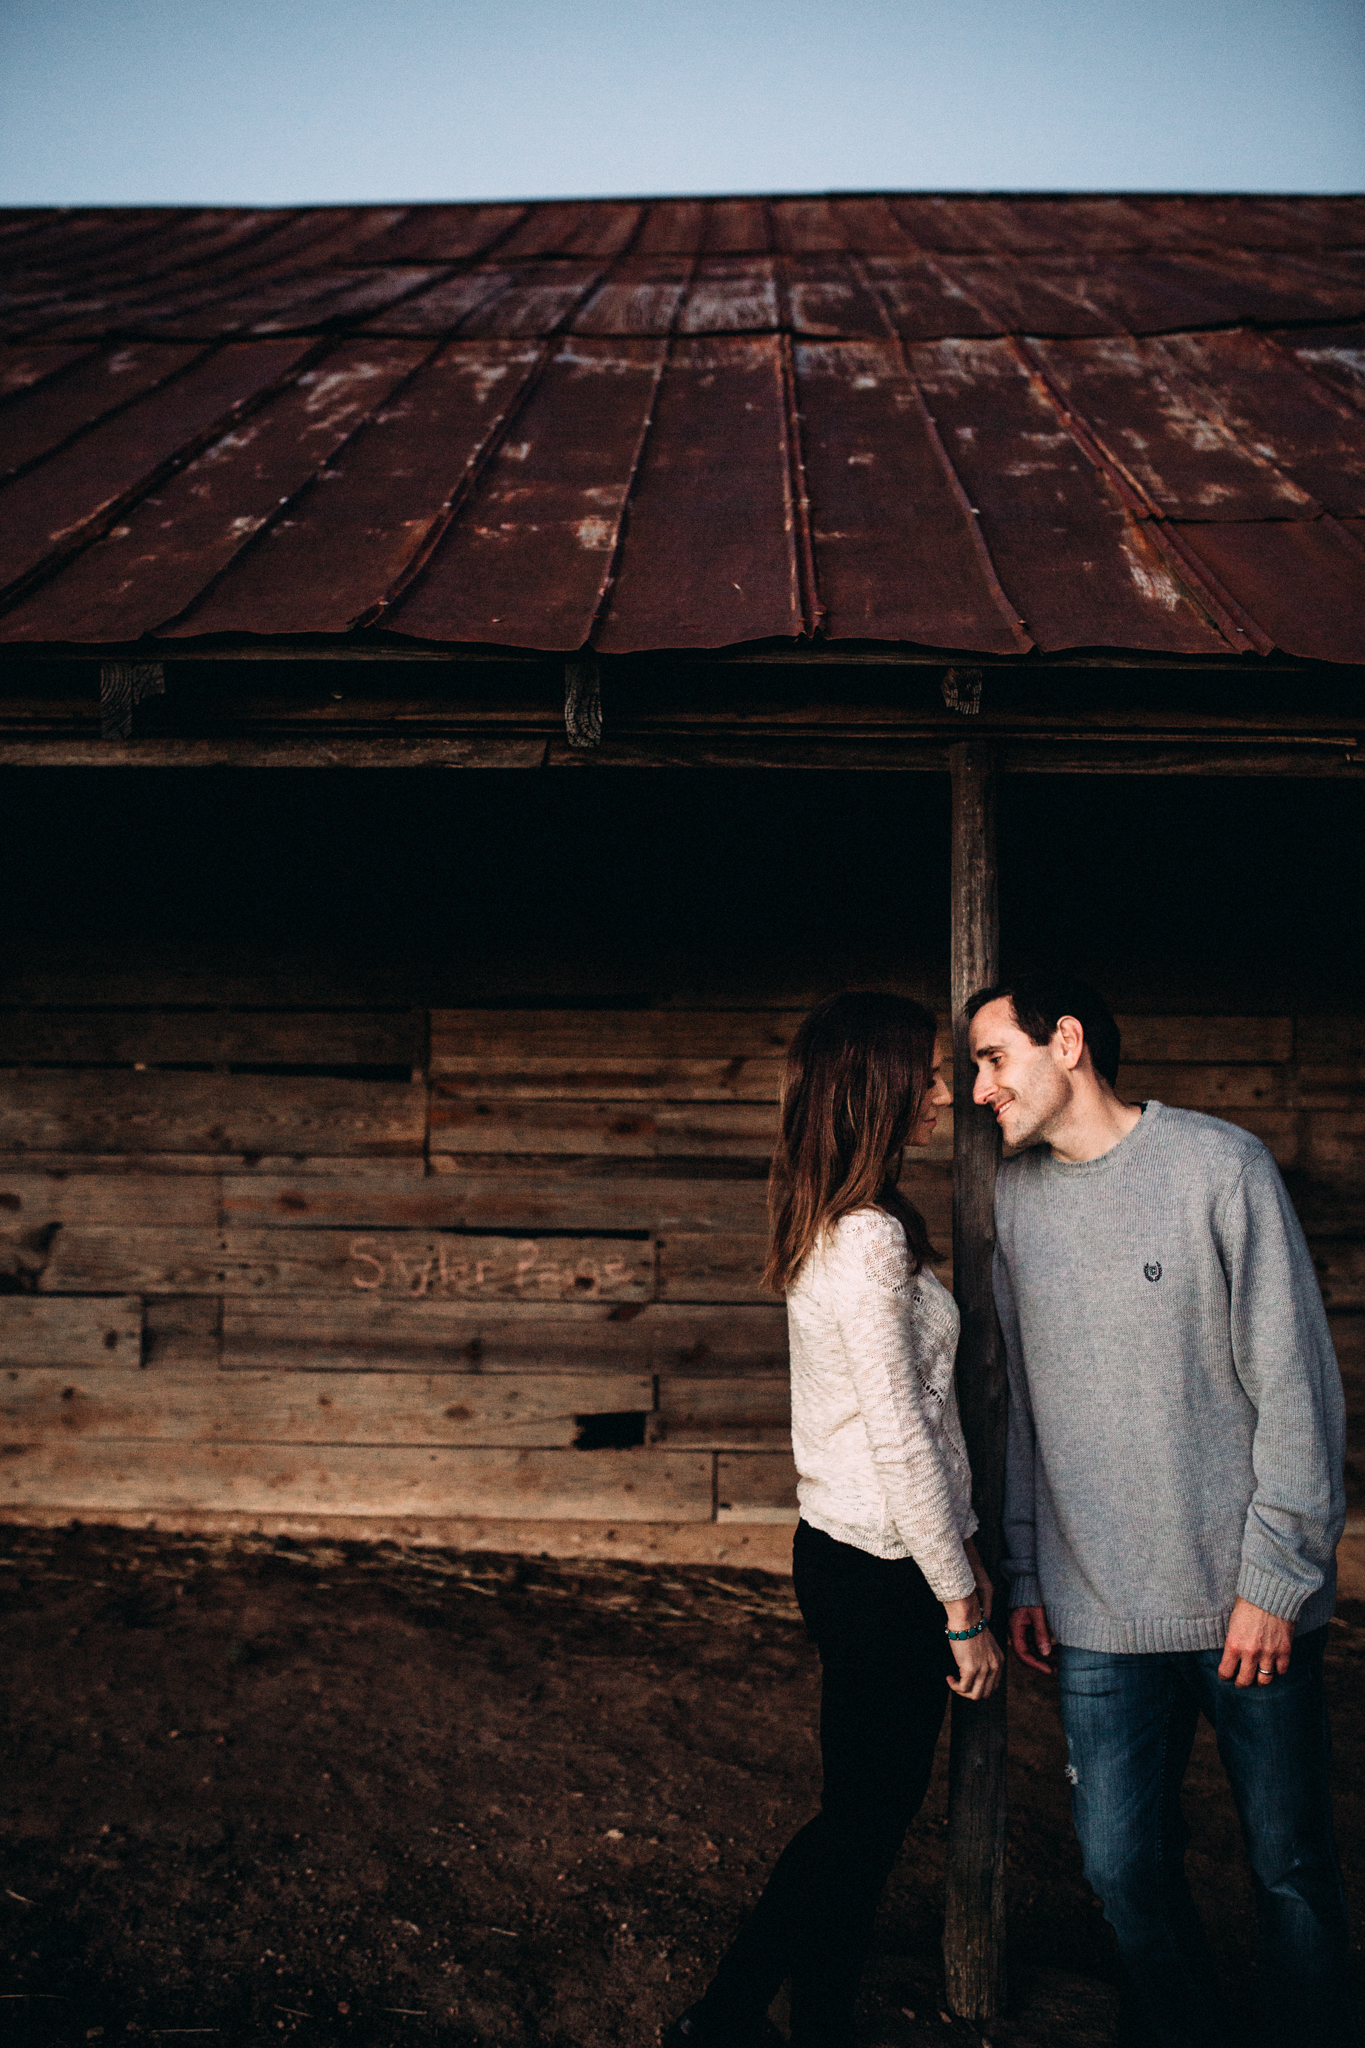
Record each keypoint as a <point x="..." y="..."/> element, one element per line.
<point x="486" y="1276"/>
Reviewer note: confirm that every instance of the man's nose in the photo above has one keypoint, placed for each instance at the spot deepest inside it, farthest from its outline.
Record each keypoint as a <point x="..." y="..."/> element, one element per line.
<point x="981" y="1088"/>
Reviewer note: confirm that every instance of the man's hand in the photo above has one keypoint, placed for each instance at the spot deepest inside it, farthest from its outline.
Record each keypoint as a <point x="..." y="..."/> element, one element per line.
<point x="1258" y="1646"/>
<point x="1030" y="1638"/>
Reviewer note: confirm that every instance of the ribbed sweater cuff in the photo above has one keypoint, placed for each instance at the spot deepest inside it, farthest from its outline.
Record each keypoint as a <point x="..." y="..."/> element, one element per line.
<point x="1025" y="1591"/>
<point x="1280" y="1597"/>
<point x="949" y="1586"/>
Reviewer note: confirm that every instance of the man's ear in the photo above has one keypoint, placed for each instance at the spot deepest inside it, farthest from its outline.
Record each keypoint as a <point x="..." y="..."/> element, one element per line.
<point x="1070" y="1037"/>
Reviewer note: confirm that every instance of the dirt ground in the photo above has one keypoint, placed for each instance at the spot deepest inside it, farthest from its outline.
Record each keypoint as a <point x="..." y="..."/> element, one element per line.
<point x="258" y="1791"/>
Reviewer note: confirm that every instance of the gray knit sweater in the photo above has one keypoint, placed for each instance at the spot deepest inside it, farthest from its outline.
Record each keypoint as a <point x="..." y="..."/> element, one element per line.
<point x="1176" y="1427"/>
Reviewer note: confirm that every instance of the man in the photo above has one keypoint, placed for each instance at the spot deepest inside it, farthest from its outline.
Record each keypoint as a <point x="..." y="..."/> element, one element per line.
<point x="1173" y="1496"/>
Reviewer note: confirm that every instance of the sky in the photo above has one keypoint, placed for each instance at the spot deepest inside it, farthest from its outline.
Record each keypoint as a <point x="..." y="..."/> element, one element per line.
<point x="254" y="102"/>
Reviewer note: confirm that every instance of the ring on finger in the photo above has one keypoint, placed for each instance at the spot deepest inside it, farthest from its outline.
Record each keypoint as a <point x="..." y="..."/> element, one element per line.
<point x="1265" y="1670"/>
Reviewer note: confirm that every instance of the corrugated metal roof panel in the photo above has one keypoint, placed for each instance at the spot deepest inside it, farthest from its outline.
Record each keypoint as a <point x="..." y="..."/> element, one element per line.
<point x="737" y="227"/>
<point x="273" y="304"/>
<point x="216" y="235"/>
<point x="1272" y="286"/>
<point x="1271" y="408"/>
<point x="46" y="511"/>
<point x="209" y="300"/>
<point x="1166" y="434"/>
<point x="870" y="226"/>
<point x="1304" y="581"/>
<point x="1102" y="226"/>
<point x="897" y="556"/>
<point x="733" y="295"/>
<point x="1078" y="569"/>
<point x="538" y="301"/>
<point x="689" y="423"/>
<point x="21" y="368"/>
<point x="288" y="273"/>
<point x="444" y="307"/>
<point x="21" y="220"/>
<point x="1195" y="220"/>
<point x="342" y="295"/>
<point x="444" y="234"/>
<point x="710" y="552"/>
<point x="963" y="226"/>
<point x="606" y="230"/>
<point x="602" y="227"/>
<point x="833" y="295"/>
<point x="1047" y="297"/>
<point x="527" y="562"/>
<point x="1331" y="356"/>
<point x="159" y="558"/>
<point x="343" y="546"/>
<point x="112" y="293"/>
<point x="640" y="297"/>
<point x="84" y="235"/>
<point x="305" y="236"/>
<point x="672" y="227"/>
<point x="1135" y="292"/>
<point x="102" y="382"/>
<point x="807" y="227"/>
<point x="925" y="302"/>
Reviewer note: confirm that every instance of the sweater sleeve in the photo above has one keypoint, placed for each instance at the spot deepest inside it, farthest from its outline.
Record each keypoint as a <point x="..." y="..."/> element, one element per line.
<point x="1020" y="1562"/>
<point x="878" y="1330"/>
<point x="1283" y="1356"/>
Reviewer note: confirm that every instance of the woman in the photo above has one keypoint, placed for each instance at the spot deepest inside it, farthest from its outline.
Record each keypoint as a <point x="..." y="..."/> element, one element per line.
<point x="888" y="1580"/>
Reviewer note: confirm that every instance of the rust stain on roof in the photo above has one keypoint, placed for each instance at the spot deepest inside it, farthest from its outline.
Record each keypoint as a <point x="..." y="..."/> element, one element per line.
<point x="973" y="423"/>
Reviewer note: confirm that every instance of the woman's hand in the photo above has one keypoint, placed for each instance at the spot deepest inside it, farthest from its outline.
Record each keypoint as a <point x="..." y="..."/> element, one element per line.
<point x="979" y="1664"/>
<point x="985" y="1591"/>
<point x="979" y="1661"/>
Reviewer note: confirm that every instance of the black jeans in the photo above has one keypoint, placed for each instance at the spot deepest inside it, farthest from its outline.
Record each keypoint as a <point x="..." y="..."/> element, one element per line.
<point x="884" y="1657"/>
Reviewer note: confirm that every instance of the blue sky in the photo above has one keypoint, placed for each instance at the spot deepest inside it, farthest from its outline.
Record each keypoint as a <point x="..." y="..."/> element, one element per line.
<point x="260" y="101"/>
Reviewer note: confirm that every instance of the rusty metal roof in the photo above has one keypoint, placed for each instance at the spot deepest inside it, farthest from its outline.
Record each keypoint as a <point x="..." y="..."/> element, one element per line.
<point x="968" y="423"/>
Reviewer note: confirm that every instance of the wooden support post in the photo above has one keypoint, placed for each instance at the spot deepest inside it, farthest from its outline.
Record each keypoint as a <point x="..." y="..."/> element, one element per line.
<point x="974" y="1929"/>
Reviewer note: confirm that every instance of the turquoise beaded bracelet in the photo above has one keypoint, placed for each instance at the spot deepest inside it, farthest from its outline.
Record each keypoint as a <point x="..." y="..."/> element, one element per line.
<point x="964" y="1635"/>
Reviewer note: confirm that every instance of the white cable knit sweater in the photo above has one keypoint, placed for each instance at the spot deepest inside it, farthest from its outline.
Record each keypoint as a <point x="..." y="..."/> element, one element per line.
<point x="880" y="1458"/>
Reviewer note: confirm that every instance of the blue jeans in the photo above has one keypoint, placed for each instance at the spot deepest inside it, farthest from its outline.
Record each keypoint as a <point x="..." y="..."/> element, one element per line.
<point x="1130" y="1723"/>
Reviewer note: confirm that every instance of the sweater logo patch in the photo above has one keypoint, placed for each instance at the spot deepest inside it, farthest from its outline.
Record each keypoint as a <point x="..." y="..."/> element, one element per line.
<point x="1153" y="1272"/>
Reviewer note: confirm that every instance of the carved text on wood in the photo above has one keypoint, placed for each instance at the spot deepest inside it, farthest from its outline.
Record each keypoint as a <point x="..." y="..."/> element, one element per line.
<point x="527" y="1269"/>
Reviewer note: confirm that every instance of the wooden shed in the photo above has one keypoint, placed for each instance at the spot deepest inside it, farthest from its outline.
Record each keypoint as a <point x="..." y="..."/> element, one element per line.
<point x="382" y="1150"/>
<point x="440" y="1216"/>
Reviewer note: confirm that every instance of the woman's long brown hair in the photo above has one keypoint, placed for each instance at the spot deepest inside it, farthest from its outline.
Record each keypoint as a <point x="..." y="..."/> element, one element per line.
<point x="859" y="1067"/>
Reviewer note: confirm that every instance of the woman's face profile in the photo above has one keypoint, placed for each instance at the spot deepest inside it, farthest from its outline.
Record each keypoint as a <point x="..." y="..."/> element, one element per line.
<point x="936" y="1098"/>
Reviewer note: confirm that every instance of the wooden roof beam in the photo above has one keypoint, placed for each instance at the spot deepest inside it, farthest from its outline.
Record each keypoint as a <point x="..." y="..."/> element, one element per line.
<point x="1221" y="755"/>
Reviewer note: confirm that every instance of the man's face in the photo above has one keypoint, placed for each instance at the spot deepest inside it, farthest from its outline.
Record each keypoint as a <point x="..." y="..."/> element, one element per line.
<point x="1026" y="1086"/>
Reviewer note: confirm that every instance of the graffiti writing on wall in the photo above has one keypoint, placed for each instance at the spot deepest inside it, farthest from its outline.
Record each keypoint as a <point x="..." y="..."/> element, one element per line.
<point x="458" y="1269"/>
